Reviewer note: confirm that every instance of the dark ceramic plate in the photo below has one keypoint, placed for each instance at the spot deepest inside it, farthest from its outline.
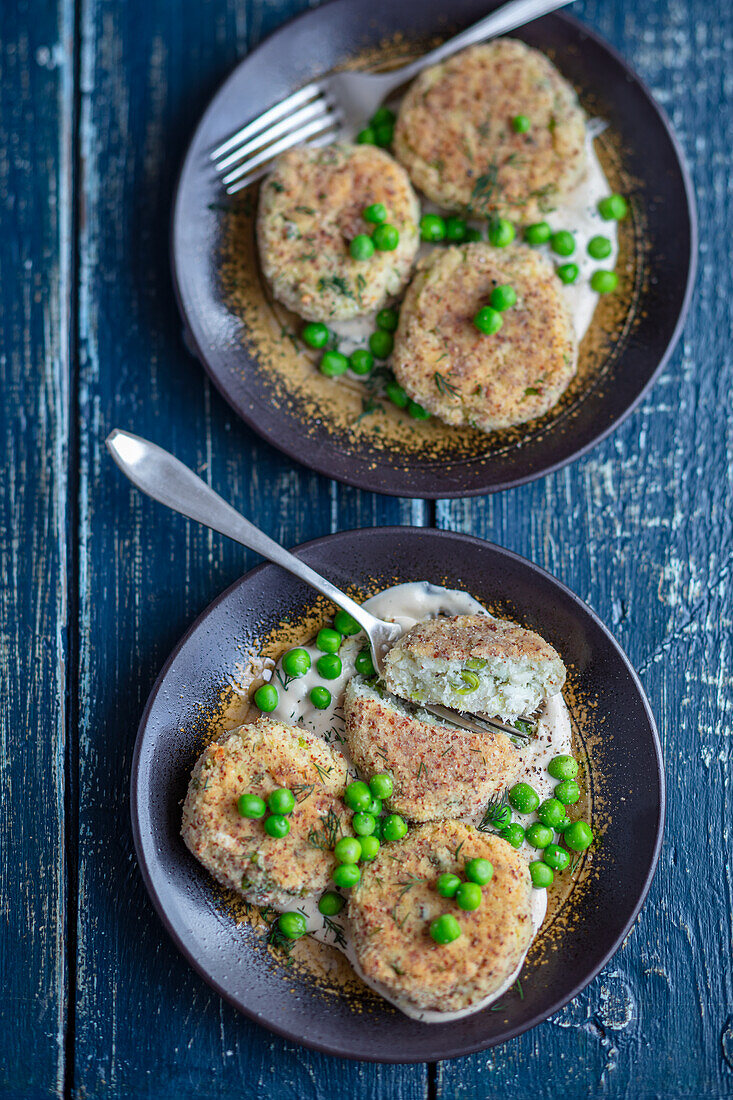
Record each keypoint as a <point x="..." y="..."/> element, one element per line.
<point x="624" y="775"/>
<point x="243" y="343"/>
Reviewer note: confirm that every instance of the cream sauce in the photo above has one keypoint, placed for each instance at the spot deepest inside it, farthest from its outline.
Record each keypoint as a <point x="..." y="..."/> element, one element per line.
<point x="407" y="604"/>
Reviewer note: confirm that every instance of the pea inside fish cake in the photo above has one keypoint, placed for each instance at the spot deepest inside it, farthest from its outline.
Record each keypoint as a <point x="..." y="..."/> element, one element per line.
<point x="257" y="759"/>
<point x="465" y="376"/>
<point x="391" y="910"/>
<point x="456" y="132"/>
<point x="438" y="771"/>
<point x="311" y="209"/>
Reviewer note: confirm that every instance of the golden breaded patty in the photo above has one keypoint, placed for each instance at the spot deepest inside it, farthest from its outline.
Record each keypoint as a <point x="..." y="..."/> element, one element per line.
<point x="455" y="136"/>
<point x="438" y="771"/>
<point x="474" y="663"/>
<point x="256" y="759"/>
<point x="392" y="907"/>
<point x="466" y="377"/>
<point x="310" y="210"/>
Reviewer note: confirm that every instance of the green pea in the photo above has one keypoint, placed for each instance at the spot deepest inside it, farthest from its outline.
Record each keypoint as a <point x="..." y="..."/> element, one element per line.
<point x="346" y="875"/>
<point x="432" y="227"/>
<point x="329" y="666"/>
<point x="613" y="208"/>
<point x="445" y="929"/>
<point x="556" y="857"/>
<point x="315" y="335"/>
<point x="473" y="234"/>
<point x="357" y="795"/>
<point x="394" y="827"/>
<point x="513" y="834"/>
<point x="524" y="798"/>
<point x="361" y="361"/>
<point x="539" y="233"/>
<point x="345" y="624"/>
<point x="292" y="925"/>
<point x="320" y="697"/>
<point x="563" y="242"/>
<point x="520" y="124"/>
<point x="396" y="395"/>
<point x="388" y="319"/>
<point x="488" y="321"/>
<point x="538" y="835"/>
<point x="266" y="697"/>
<point x="375" y="214"/>
<point x="479" y="871"/>
<point x="551" y="812"/>
<point x="333" y="363"/>
<point x="381" y="786"/>
<point x="296" y="662"/>
<point x="347" y="850"/>
<point x="542" y="876"/>
<point x="568" y="792"/>
<point x="501" y="232"/>
<point x="331" y="903"/>
<point x="468" y="896"/>
<point x="362" y="247"/>
<point x="281" y="801"/>
<point x="503" y="297"/>
<point x="277" y="826"/>
<point x="374" y="808"/>
<point x="378" y="831"/>
<point x="328" y="640"/>
<point x="386" y="237"/>
<point x="381" y="344"/>
<point x="363" y="824"/>
<point x="578" y="836"/>
<point x="366" y="136"/>
<point x="383" y="115"/>
<point x="364" y="664"/>
<point x="599" y="248"/>
<point x="563" y="767"/>
<point x="447" y="885"/>
<point x="417" y="412"/>
<point x="604" y="282"/>
<point x="455" y="229"/>
<point x="370" y="847"/>
<point x="568" y="273"/>
<point x="251" y="806"/>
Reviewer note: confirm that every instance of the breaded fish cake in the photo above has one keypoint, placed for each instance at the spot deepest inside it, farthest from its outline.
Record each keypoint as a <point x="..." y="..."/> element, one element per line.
<point x="438" y="771"/>
<point x="392" y="907"/>
<point x="466" y="377"/>
<point x="256" y="759"/>
<point x="475" y="663"/>
<point x="310" y="210"/>
<point x="455" y="132"/>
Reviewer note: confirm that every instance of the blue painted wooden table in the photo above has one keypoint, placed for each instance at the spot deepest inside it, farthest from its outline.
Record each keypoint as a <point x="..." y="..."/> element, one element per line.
<point x="97" y="100"/>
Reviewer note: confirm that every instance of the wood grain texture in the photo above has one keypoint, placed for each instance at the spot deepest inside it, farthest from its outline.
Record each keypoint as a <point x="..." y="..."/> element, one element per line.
<point x="35" y="119"/>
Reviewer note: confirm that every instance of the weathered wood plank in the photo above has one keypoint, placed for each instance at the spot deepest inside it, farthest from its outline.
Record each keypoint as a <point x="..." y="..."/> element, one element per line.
<point x="35" y="147"/>
<point x="642" y="530"/>
<point x="145" y="1024"/>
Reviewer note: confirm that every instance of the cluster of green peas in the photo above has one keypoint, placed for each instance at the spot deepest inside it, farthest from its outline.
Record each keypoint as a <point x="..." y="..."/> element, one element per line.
<point x="379" y="130"/>
<point x="297" y="662"/>
<point x="552" y="817"/>
<point x="280" y="803"/>
<point x="467" y="895"/>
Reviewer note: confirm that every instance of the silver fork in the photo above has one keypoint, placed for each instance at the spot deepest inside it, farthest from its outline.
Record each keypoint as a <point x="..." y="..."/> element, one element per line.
<point x="340" y="102"/>
<point x="165" y="478"/>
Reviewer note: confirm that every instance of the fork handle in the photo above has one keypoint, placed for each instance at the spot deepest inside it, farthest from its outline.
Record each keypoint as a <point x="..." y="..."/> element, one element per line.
<point x="506" y="18"/>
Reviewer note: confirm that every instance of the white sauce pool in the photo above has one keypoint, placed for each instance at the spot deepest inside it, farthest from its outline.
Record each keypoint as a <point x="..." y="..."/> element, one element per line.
<point x="407" y="604"/>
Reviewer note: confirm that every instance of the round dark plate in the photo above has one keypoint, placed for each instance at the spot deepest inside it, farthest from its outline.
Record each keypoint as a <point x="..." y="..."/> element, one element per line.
<point x="660" y="252"/>
<point x="626" y="791"/>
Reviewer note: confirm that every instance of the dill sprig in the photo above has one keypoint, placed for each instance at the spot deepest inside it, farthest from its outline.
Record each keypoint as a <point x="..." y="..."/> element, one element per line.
<point x="325" y="836"/>
<point x="323" y="773"/>
<point x="336" y="931"/>
<point x="445" y="386"/>
<point x="302" y="791"/>
<point x="285" y="681"/>
<point x="492" y="819"/>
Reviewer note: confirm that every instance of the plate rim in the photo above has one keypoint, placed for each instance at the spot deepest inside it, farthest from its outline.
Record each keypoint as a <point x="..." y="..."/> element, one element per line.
<point x="322" y="1046"/>
<point x="445" y="493"/>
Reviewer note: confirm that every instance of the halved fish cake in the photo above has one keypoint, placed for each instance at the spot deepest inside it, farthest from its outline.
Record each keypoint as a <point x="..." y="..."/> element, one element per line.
<point x="466" y="377"/>
<point x="438" y="771"/>
<point x="456" y="136"/>
<point x="311" y="208"/>
<point x="475" y="663"/>
<point x="257" y="759"/>
<point x="391" y="909"/>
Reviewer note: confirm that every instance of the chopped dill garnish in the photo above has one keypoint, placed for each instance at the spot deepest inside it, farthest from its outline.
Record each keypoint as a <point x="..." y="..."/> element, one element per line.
<point x="323" y="773"/>
<point x="336" y="931"/>
<point x="445" y="386"/>
<point x="305" y="209"/>
<point x="407" y="884"/>
<point x="302" y="791"/>
<point x="519" y="989"/>
<point x="284" y="682"/>
<point x="326" y="836"/>
<point x="457" y="851"/>
<point x="422" y="770"/>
